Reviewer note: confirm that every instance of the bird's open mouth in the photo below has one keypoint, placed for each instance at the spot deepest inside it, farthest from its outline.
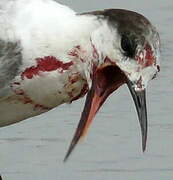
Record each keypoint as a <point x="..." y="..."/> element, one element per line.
<point x="107" y="79"/>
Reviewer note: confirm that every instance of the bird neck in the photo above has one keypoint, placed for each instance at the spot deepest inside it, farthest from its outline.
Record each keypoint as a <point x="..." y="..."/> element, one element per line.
<point x="95" y="42"/>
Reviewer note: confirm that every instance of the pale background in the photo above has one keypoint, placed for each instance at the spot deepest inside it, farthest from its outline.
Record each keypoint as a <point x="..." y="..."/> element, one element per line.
<point x="34" y="149"/>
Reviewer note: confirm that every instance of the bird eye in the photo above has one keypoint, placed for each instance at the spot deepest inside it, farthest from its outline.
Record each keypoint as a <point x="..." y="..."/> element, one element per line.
<point x="128" y="46"/>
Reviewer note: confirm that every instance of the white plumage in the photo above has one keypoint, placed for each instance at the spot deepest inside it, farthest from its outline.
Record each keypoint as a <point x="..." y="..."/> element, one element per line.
<point x="42" y="28"/>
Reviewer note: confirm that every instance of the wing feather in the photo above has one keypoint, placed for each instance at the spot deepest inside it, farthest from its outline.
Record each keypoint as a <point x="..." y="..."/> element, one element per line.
<point x="10" y="61"/>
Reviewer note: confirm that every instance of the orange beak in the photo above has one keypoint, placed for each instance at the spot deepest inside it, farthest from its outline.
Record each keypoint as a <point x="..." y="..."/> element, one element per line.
<point x="106" y="79"/>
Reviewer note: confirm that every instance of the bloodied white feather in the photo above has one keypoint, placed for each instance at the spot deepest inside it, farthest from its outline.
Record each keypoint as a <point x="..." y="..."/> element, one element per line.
<point x="37" y="29"/>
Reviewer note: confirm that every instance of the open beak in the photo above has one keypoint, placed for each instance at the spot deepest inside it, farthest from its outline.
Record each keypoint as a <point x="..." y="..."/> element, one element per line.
<point x="106" y="80"/>
<point x="139" y="98"/>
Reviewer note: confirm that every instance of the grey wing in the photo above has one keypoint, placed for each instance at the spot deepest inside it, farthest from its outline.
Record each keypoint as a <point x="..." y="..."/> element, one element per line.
<point x="10" y="61"/>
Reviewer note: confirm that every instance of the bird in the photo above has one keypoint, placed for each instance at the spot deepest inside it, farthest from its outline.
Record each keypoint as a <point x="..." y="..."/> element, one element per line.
<point x="50" y="55"/>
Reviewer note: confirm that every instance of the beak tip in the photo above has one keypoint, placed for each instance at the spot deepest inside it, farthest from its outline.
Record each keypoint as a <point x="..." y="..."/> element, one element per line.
<point x="65" y="159"/>
<point x="144" y="149"/>
<point x="144" y="144"/>
<point x="71" y="148"/>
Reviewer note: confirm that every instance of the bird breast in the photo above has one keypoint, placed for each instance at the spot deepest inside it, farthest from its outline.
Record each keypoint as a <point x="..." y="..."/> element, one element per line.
<point x="40" y="88"/>
<point x="50" y="83"/>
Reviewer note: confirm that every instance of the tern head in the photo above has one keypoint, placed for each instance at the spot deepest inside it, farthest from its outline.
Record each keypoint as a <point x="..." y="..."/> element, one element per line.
<point x="130" y="55"/>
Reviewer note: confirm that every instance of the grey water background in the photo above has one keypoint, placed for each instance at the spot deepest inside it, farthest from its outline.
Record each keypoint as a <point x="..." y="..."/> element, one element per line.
<point x="34" y="149"/>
